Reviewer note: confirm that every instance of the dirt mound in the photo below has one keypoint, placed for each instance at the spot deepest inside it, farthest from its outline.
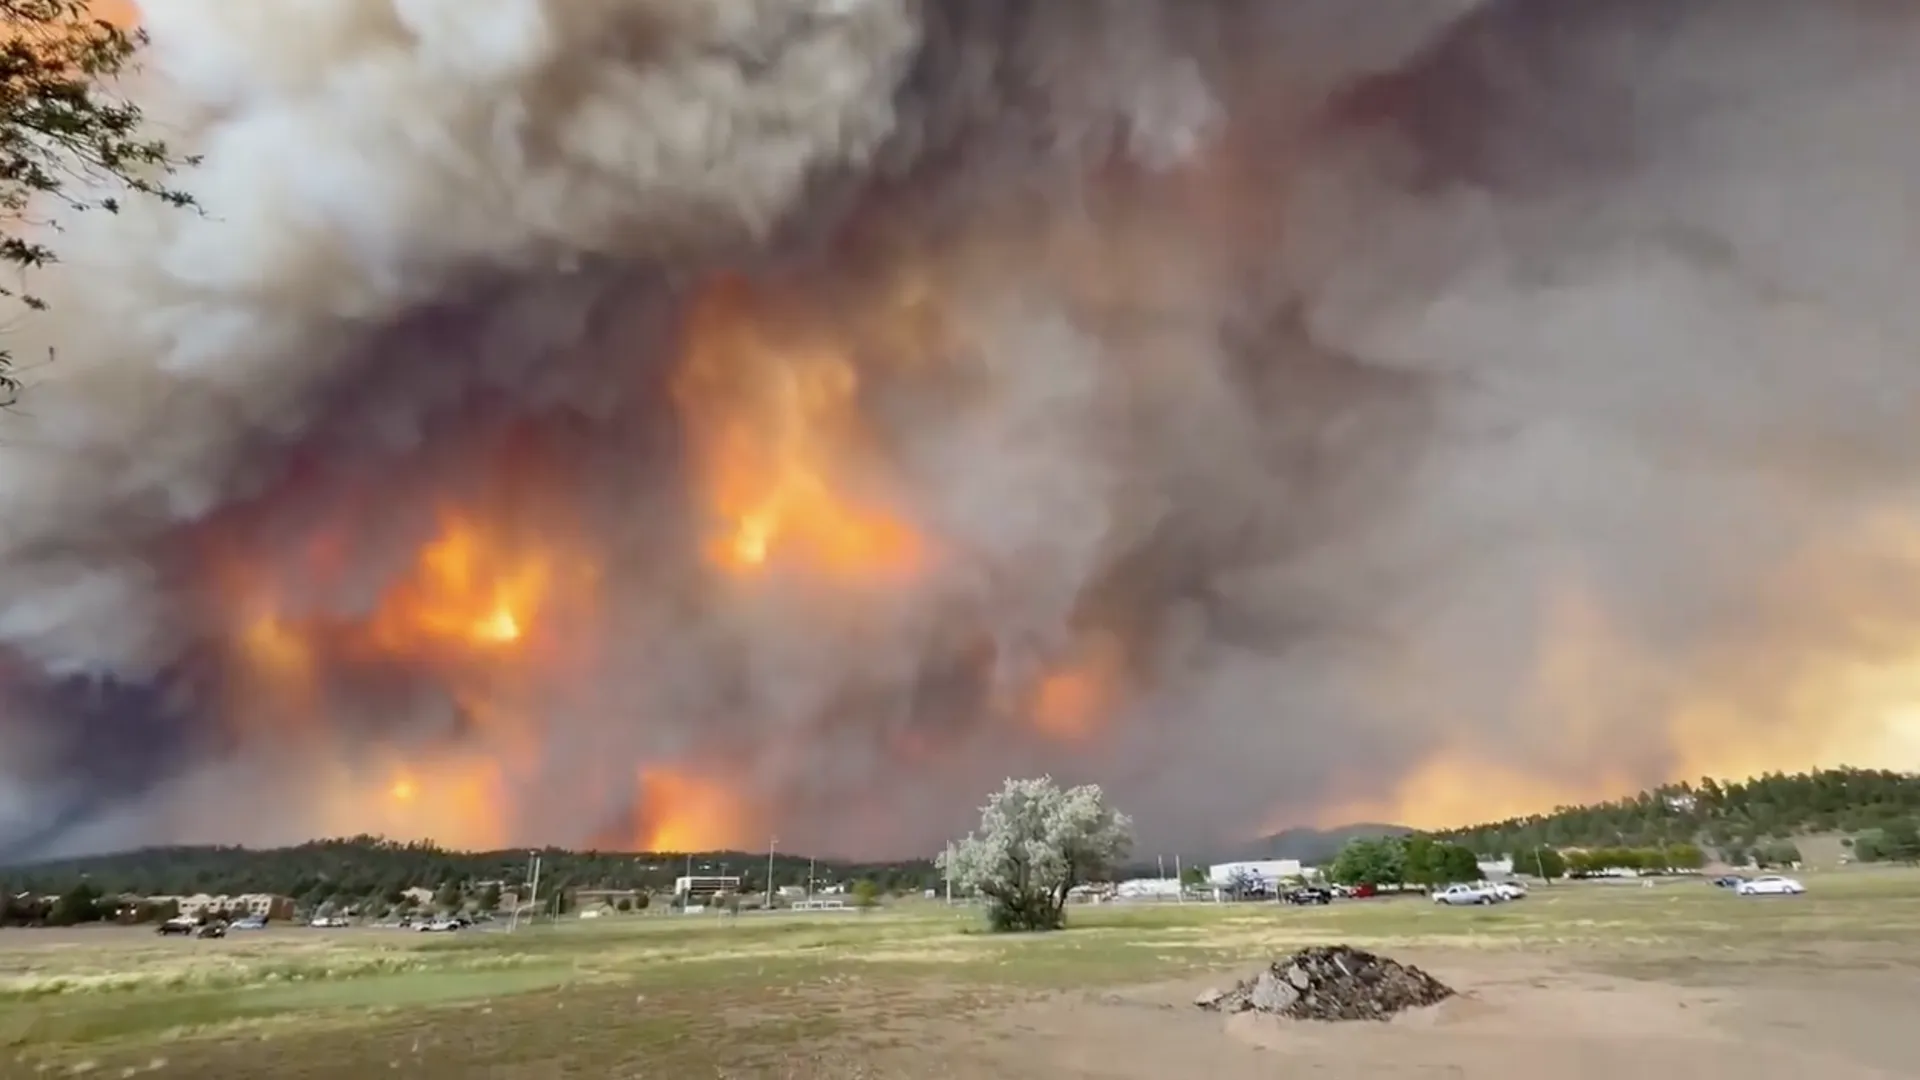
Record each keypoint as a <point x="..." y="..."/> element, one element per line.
<point x="1331" y="983"/>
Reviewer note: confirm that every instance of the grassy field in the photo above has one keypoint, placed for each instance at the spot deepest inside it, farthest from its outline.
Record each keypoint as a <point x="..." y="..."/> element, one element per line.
<point x="716" y="995"/>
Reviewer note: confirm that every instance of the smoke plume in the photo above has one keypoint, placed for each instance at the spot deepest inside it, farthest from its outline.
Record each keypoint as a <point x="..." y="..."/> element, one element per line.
<point x="667" y="423"/>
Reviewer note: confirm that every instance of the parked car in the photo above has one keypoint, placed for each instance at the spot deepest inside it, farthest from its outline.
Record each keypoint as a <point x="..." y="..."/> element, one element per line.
<point x="171" y="927"/>
<point x="1308" y="894"/>
<point x="1730" y="881"/>
<point x="251" y="922"/>
<point x="1464" y="894"/>
<point x="1770" y="885"/>
<point x="437" y="926"/>
<point x="329" y="922"/>
<point x="1509" y="890"/>
<point x="211" y="930"/>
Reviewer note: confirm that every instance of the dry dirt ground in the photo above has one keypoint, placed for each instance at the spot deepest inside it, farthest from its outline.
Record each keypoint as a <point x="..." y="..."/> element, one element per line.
<point x="1516" y="1015"/>
<point x="1576" y="982"/>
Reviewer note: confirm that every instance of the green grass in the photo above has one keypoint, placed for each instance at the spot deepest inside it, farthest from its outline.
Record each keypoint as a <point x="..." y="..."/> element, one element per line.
<point x="692" y="995"/>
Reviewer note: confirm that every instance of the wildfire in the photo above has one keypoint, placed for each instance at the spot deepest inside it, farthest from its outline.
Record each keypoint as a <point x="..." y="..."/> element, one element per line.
<point x="470" y="591"/>
<point x="478" y="608"/>
<point x="775" y="423"/>
<point x="274" y="647"/>
<point x="466" y="590"/>
<point x="678" y="811"/>
<point x="1070" y="704"/>
<point x="460" y="799"/>
<point x="1452" y="790"/>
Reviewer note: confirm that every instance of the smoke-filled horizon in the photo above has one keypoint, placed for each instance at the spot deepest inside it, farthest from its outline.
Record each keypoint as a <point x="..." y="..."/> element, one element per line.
<point x="668" y="423"/>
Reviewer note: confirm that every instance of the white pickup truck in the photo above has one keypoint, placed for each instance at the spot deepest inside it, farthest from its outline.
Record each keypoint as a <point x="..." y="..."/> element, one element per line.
<point x="1461" y="895"/>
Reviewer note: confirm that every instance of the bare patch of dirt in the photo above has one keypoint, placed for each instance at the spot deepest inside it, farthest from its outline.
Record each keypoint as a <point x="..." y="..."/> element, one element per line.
<point x="1513" y="1013"/>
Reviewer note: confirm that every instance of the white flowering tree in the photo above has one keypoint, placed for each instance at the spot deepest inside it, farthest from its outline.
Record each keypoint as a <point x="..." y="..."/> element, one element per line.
<point x="1035" y="843"/>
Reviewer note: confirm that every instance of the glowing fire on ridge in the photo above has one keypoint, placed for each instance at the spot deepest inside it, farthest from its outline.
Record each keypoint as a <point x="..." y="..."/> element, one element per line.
<point x="679" y="811"/>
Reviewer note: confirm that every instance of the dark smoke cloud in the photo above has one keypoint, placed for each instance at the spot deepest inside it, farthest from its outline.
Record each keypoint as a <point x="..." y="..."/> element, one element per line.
<point x="1522" y="382"/>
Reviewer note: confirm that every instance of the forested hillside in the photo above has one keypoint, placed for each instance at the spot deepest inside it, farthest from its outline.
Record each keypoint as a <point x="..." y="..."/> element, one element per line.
<point x="1878" y="810"/>
<point x="1729" y="817"/>
<point x="350" y="870"/>
<point x="1314" y="847"/>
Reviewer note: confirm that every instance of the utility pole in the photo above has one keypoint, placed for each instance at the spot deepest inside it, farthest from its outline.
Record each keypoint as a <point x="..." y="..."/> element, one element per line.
<point x="513" y="920"/>
<point x="772" y="842"/>
<point x="1179" y="880"/>
<point x="810" y="863"/>
<point x="533" y="897"/>
<point x="949" y="869"/>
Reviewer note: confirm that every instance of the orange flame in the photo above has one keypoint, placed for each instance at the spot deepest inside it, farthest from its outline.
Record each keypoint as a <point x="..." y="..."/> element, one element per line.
<point x="465" y="590"/>
<point x="1448" y="791"/>
<point x="777" y="429"/>
<point x="278" y="649"/>
<point x="1071" y="704"/>
<point x="476" y="608"/>
<point x="678" y="811"/>
<point x="460" y="799"/>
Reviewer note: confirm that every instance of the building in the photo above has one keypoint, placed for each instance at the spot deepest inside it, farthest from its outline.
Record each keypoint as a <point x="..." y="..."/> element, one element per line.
<point x="1264" y="872"/>
<point x="1148" y="889"/>
<point x="204" y="905"/>
<point x="585" y="899"/>
<point x="704" y="888"/>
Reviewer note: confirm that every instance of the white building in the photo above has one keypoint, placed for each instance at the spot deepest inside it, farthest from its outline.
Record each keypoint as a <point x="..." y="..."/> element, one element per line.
<point x="1148" y="889"/>
<point x="698" y="887"/>
<point x="1265" y="871"/>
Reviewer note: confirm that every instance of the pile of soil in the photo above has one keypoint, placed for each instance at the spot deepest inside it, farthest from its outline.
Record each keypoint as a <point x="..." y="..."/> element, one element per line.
<point x="1331" y="983"/>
